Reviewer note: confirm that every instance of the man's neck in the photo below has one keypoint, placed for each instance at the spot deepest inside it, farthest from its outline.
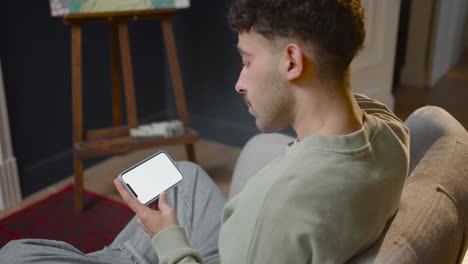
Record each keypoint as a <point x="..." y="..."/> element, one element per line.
<point x="323" y="112"/>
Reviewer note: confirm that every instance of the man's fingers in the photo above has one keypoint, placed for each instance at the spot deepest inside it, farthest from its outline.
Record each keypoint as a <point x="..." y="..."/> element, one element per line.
<point x="162" y="203"/>
<point x="133" y="203"/>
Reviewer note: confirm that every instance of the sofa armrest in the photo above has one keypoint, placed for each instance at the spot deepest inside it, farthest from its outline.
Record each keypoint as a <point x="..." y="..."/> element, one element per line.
<point x="431" y="225"/>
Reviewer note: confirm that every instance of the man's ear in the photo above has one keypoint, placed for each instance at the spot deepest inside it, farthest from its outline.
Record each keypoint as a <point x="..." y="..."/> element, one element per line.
<point x="294" y="61"/>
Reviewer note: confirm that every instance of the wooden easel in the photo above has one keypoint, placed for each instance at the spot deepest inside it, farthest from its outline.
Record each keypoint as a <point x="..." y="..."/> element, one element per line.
<point x="117" y="140"/>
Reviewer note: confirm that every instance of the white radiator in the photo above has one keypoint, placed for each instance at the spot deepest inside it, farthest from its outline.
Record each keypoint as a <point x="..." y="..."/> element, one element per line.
<point x="10" y="192"/>
<point x="9" y="184"/>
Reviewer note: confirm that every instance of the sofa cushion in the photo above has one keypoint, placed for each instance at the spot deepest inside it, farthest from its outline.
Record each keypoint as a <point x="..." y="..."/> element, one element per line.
<point x="431" y="224"/>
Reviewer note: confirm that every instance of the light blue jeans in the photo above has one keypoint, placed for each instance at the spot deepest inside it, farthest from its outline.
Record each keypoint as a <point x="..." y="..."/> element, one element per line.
<point x="198" y="204"/>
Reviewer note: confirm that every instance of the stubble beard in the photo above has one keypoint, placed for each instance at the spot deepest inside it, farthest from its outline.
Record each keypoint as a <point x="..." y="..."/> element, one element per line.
<point x="274" y="110"/>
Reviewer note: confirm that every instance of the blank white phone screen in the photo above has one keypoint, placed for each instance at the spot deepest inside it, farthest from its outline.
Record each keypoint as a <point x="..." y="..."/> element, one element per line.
<point x="152" y="177"/>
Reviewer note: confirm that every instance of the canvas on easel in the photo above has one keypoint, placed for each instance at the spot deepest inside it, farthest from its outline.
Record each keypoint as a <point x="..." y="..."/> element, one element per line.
<point x="66" y="7"/>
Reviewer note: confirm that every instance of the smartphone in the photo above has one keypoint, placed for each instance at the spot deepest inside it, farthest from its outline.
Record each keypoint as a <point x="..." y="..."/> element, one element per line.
<point x="151" y="177"/>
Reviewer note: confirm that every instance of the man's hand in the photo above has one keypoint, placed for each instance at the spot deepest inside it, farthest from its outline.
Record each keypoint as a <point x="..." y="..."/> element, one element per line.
<point x="154" y="218"/>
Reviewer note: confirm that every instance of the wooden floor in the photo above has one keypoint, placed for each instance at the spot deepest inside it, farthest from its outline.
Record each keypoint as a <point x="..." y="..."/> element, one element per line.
<point x="450" y="93"/>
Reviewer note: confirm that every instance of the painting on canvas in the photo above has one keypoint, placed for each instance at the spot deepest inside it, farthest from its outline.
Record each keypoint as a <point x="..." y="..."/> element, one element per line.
<point x="65" y="7"/>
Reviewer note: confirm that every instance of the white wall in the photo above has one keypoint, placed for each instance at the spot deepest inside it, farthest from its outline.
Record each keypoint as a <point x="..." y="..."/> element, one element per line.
<point x="10" y="193"/>
<point x="448" y="38"/>
<point x="2" y="204"/>
<point x="372" y="69"/>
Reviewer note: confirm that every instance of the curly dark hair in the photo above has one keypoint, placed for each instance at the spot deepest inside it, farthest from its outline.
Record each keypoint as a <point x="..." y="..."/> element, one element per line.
<point x="334" y="29"/>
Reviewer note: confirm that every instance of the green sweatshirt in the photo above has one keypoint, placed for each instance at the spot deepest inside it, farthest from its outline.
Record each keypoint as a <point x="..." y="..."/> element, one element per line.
<point x="325" y="199"/>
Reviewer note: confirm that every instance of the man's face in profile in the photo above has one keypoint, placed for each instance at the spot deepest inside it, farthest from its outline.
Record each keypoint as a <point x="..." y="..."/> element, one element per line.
<point x="261" y="82"/>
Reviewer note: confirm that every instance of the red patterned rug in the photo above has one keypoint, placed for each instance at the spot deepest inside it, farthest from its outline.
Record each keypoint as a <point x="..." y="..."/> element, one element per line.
<point x="54" y="218"/>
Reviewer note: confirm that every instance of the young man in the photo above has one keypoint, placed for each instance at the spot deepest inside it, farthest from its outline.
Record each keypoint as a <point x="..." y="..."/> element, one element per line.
<point x="325" y="199"/>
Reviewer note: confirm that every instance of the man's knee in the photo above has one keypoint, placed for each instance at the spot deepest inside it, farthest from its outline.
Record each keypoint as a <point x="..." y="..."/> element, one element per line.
<point x="195" y="178"/>
<point x="192" y="172"/>
<point x="16" y="244"/>
<point x="8" y="246"/>
<point x="38" y="251"/>
<point x="15" y="250"/>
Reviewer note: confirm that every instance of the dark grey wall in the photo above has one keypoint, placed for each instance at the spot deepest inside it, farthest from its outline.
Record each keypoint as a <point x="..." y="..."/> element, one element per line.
<point x="211" y="65"/>
<point x="35" y="55"/>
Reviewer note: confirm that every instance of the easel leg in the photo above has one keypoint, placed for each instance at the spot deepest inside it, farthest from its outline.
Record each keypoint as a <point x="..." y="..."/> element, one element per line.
<point x="190" y="149"/>
<point x="79" y="183"/>
<point x="77" y="110"/>
<point x="127" y="74"/>
<point x="116" y="85"/>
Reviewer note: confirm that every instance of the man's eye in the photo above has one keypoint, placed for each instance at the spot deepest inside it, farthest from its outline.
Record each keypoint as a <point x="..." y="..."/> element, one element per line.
<point x="246" y="63"/>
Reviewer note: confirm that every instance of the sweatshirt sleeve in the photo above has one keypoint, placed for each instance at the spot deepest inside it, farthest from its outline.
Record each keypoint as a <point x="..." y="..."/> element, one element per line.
<point x="373" y="107"/>
<point x="383" y="113"/>
<point x="172" y="247"/>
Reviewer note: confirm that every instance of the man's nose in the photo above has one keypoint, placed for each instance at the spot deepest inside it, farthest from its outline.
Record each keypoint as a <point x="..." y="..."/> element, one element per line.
<point x="240" y="88"/>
